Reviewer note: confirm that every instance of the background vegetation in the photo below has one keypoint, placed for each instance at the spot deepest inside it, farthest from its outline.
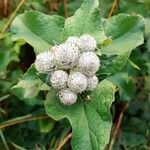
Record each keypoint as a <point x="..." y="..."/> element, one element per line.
<point x="24" y="124"/>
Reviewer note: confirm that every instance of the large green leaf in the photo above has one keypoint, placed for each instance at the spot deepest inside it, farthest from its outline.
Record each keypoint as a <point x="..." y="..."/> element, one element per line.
<point x="126" y="34"/>
<point x="90" y="120"/>
<point x="38" y="29"/>
<point x="86" y="19"/>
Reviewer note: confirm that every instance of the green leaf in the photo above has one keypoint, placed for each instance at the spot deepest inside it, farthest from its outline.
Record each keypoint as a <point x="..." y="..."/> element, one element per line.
<point x="126" y="86"/>
<point x="29" y="87"/>
<point x="90" y="120"/>
<point x="46" y="125"/>
<point x="29" y="83"/>
<point x="37" y="29"/>
<point x="135" y="7"/>
<point x="7" y="53"/>
<point x="126" y="32"/>
<point x="86" y="19"/>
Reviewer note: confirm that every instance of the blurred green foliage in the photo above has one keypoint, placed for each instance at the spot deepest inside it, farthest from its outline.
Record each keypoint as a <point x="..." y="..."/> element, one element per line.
<point x="133" y="85"/>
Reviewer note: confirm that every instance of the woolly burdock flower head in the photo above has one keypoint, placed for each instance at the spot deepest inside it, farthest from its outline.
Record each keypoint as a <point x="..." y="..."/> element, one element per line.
<point x="89" y="63"/>
<point x="66" y="55"/>
<point x="87" y="43"/>
<point x="92" y="83"/>
<point x="72" y="40"/>
<point x="77" y="82"/>
<point x="59" y="79"/>
<point x="67" y="97"/>
<point x="44" y="62"/>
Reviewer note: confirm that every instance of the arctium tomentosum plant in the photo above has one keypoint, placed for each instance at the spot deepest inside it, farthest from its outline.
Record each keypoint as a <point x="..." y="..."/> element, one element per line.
<point x="73" y="62"/>
<point x="62" y="60"/>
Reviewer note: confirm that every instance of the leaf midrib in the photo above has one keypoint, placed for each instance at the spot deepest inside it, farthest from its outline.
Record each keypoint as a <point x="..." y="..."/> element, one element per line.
<point x="89" y="126"/>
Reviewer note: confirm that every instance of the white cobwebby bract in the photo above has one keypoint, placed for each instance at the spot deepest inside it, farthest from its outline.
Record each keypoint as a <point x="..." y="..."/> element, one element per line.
<point x="77" y="82"/>
<point x="89" y="63"/>
<point x="67" y="97"/>
<point x="44" y="62"/>
<point x="59" y="79"/>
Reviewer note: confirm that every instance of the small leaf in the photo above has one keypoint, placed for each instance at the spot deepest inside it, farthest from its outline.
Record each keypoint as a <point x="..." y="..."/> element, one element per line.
<point x="107" y="42"/>
<point x="46" y="125"/>
<point x="133" y="64"/>
<point x="125" y="84"/>
<point x="29" y="87"/>
<point x="86" y="19"/>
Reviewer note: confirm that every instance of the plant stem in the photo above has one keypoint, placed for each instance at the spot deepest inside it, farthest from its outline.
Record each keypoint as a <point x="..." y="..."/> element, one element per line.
<point x="19" y="121"/>
<point x="114" y="5"/>
<point x="65" y="8"/>
<point x="11" y="18"/>
<point x="66" y="139"/>
<point x="116" y="128"/>
<point x="4" y="140"/>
